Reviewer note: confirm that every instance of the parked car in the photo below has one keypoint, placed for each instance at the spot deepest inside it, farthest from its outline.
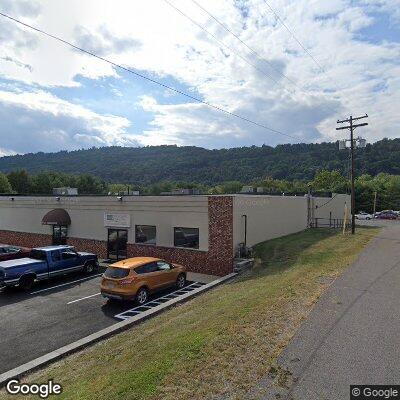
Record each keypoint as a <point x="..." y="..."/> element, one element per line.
<point x="386" y="215"/>
<point x="135" y="278"/>
<point x="8" y="252"/>
<point x="44" y="263"/>
<point x="364" y="215"/>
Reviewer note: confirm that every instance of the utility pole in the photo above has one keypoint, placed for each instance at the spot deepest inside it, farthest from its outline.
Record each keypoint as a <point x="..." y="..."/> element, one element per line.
<point x="342" y="145"/>
<point x="375" y="194"/>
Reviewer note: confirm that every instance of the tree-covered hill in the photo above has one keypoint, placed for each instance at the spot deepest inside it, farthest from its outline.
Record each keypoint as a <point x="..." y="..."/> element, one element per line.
<point x="148" y="165"/>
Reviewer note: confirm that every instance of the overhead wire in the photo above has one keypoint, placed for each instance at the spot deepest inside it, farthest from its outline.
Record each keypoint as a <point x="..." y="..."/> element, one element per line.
<point x="245" y="44"/>
<point x="178" y="91"/>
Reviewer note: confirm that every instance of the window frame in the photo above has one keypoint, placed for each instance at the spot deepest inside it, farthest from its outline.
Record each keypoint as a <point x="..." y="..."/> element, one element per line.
<point x="187" y="247"/>
<point x="143" y="243"/>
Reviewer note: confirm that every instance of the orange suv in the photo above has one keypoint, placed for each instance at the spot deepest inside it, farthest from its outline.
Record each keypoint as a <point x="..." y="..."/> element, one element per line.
<point x="135" y="278"/>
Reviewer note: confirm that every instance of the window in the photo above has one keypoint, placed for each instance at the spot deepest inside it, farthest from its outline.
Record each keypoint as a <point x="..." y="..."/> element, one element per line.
<point x="186" y="237"/>
<point x="145" y="234"/>
<point x="10" y="250"/>
<point x="55" y="256"/>
<point x="68" y="254"/>
<point x="163" y="266"/>
<point x="147" y="268"/>
<point x="38" y="255"/>
<point x="116" y="273"/>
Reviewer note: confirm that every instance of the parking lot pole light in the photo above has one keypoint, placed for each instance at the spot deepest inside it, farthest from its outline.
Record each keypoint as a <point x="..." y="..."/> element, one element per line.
<point x="361" y="143"/>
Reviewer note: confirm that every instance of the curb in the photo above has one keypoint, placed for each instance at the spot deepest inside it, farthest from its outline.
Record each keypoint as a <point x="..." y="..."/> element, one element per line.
<point x="118" y="327"/>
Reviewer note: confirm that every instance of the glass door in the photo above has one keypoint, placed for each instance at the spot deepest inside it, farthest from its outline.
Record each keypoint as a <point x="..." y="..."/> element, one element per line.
<point x="117" y="244"/>
<point x="60" y="234"/>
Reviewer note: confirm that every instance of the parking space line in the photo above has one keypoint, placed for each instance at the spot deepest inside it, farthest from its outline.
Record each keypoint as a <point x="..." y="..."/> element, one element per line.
<point x="154" y="303"/>
<point x="84" y="298"/>
<point x="66" y="284"/>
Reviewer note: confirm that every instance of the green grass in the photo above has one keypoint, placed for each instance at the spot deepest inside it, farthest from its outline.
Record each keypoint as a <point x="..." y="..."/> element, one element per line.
<point x="220" y="343"/>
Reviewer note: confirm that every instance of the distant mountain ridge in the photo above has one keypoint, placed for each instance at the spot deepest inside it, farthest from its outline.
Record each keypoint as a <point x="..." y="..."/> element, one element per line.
<point x="146" y="165"/>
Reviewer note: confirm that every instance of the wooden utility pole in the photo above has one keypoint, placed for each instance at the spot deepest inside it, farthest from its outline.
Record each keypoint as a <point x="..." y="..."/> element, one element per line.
<point x="351" y="127"/>
<point x="375" y="194"/>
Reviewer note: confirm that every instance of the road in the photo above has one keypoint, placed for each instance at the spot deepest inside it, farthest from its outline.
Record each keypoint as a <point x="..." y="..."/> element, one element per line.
<point x="53" y="314"/>
<point x="353" y="334"/>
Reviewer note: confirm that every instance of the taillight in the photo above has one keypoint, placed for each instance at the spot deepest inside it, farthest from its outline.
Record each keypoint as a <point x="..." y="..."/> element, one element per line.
<point x="127" y="281"/>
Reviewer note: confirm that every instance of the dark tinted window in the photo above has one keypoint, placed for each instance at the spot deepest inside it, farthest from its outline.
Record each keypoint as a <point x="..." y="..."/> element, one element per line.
<point x="145" y="234"/>
<point x="186" y="237"/>
<point x="116" y="273"/>
<point x="147" y="268"/>
<point x="38" y="255"/>
<point x="11" y="250"/>
<point x="68" y="254"/>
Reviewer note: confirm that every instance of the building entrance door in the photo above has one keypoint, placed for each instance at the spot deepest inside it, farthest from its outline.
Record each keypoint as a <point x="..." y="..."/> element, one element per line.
<point x="117" y="244"/>
<point x="60" y="234"/>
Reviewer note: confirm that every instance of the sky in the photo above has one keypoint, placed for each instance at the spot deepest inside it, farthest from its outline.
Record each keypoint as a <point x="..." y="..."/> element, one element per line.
<point x="53" y="97"/>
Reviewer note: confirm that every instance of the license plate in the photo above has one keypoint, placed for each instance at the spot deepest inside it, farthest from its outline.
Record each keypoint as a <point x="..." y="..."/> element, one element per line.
<point x="110" y="285"/>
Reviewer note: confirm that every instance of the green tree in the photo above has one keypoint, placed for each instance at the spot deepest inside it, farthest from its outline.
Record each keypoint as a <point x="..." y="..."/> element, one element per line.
<point x="20" y="181"/>
<point x="5" y="186"/>
<point x="88" y="184"/>
<point x="330" y="181"/>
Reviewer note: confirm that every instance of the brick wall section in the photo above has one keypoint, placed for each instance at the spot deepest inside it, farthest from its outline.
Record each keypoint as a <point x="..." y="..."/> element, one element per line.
<point x="220" y="234"/>
<point x="98" y="247"/>
<point x="24" y="239"/>
<point x="218" y="260"/>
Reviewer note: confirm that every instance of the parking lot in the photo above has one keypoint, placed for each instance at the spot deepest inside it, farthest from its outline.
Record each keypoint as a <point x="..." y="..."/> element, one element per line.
<point x="58" y="312"/>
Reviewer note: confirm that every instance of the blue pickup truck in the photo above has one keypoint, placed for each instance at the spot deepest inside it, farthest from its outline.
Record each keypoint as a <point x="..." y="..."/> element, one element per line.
<point x="44" y="263"/>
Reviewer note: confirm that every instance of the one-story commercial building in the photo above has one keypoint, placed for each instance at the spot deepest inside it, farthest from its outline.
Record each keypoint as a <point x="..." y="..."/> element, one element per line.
<point x="201" y="232"/>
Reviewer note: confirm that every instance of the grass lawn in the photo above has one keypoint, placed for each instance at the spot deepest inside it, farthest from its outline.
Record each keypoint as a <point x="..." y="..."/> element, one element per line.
<point x="219" y="344"/>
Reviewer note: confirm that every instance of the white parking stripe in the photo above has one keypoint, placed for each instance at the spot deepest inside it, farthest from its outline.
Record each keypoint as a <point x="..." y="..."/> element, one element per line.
<point x="83" y="298"/>
<point x="66" y="284"/>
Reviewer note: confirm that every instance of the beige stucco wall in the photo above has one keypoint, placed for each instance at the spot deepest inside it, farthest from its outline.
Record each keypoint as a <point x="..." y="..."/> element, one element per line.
<point x="25" y="214"/>
<point x="321" y="207"/>
<point x="268" y="217"/>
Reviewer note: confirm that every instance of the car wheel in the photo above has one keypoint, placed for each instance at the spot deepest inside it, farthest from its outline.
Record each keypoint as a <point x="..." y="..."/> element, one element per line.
<point x="142" y="296"/>
<point x="368" y="218"/>
<point x="181" y="281"/>
<point x="26" y="282"/>
<point x="90" y="267"/>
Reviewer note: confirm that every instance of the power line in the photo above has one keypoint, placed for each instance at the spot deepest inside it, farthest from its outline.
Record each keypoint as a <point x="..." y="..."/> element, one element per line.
<point x="294" y="36"/>
<point x="223" y="44"/>
<point x="244" y="43"/>
<point x="218" y="108"/>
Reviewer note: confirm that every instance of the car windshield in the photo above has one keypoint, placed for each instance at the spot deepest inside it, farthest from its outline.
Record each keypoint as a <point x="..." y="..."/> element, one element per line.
<point x="38" y="255"/>
<point x="116" y="273"/>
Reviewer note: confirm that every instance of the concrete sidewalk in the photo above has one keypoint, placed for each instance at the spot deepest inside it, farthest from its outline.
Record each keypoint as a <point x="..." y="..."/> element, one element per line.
<point x="352" y="335"/>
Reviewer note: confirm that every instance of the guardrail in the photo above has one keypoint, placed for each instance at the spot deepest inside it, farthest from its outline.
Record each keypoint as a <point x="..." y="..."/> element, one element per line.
<point x="327" y="223"/>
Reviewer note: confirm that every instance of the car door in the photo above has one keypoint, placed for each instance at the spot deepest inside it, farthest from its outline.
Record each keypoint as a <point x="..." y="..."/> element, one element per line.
<point x="56" y="264"/>
<point x="167" y="274"/>
<point x="150" y="275"/>
<point x="69" y="260"/>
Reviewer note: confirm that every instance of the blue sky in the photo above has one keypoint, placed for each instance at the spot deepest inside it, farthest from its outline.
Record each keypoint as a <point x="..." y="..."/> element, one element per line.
<point x="54" y="98"/>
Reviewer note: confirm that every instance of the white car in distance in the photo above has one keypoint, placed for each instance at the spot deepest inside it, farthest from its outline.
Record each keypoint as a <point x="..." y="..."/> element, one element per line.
<point x="364" y="215"/>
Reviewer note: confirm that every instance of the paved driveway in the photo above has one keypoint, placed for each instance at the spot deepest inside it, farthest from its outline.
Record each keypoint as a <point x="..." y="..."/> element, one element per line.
<point x="353" y="334"/>
<point x="56" y="313"/>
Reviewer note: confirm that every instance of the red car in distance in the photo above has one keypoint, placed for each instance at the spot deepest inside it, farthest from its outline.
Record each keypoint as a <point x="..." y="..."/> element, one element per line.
<point x="8" y="252"/>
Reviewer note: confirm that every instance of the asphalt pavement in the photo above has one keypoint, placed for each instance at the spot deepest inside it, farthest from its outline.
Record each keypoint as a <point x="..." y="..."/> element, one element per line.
<point x="53" y="314"/>
<point x="352" y="336"/>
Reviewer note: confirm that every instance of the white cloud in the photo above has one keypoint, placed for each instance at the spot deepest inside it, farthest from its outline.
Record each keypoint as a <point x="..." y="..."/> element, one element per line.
<point x="150" y="36"/>
<point x="42" y="122"/>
